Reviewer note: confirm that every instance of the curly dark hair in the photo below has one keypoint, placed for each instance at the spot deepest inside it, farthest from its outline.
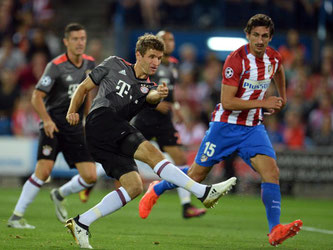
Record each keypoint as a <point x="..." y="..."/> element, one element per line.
<point x="259" y="20"/>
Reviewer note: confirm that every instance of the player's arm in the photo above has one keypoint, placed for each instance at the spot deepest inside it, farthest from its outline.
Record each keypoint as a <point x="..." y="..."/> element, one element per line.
<point x="155" y="96"/>
<point x="280" y="83"/>
<point x="72" y="116"/>
<point x="38" y="104"/>
<point x="231" y="102"/>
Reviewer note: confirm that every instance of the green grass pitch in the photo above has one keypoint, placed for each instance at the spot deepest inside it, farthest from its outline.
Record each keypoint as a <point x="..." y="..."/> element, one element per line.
<point x="237" y="222"/>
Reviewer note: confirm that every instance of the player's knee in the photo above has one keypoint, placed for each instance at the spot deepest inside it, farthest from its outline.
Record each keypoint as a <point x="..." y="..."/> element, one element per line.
<point x="89" y="178"/>
<point x="149" y="154"/>
<point x="134" y="190"/>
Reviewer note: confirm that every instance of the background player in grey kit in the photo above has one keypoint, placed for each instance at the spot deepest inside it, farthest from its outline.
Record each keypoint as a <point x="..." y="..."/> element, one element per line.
<point x="157" y="123"/>
<point x="124" y="90"/>
<point x="51" y="99"/>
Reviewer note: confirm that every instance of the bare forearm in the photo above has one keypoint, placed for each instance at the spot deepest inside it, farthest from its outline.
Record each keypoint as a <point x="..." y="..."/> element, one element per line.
<point x="236" y="103"/>
<point x="153" y="97"/>
<point x="77" y="100"/>
<point x="39" y="107"/>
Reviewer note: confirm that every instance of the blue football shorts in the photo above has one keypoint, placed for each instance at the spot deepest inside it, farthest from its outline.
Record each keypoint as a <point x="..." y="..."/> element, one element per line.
<point x="222" y="139"/>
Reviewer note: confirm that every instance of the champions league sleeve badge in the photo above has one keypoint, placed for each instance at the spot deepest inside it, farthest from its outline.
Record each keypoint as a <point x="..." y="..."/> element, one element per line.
<point x="229" y="72"/>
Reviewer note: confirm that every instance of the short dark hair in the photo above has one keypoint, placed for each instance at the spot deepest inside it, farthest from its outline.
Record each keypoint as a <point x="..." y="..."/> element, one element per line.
<point x="149" y="41"/>
<point x="73" y="27"/>
<point x="259" y="20"/>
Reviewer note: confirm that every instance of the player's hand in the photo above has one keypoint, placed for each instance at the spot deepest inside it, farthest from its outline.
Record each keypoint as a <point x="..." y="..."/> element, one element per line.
<point x="73" y="118"/>
<point x="164" y="107"/>
<point x="273" y="102"/>
<point x="163" y="90"/>
<point x="49" y="128"/>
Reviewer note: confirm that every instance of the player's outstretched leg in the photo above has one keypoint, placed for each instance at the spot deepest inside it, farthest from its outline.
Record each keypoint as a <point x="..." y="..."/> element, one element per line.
<point x="60" y="209"/>
<point x="210" y="198"/>
<point x="79" y="231"/>
<point x="281" y="232"/>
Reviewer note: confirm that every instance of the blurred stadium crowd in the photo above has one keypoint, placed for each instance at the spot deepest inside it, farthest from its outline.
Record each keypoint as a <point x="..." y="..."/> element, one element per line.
<point x="29" y="38"/>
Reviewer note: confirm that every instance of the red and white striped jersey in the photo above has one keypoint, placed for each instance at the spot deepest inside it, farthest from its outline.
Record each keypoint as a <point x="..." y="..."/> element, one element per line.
<point x="252" y="76"/>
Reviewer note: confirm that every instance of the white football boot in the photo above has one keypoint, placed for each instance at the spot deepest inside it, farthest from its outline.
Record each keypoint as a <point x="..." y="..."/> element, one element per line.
<point x="60" y="209"/>
<point x="81" y="235"/>
<point x="215" y="191"/>
<point x="20" y="224"/>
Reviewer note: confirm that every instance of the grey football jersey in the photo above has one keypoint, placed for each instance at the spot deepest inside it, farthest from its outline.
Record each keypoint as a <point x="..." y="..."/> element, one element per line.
<point x="119" y="89"/>
<point x="59" y="81"/>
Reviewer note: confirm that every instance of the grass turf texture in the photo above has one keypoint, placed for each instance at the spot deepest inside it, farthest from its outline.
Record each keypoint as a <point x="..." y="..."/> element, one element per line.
<point x="237" y="222"/>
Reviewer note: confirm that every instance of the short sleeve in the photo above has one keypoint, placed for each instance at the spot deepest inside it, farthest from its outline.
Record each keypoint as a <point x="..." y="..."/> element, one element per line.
<point x="232" y="70"/>
<point x="98" y="73"/>
<point x="48" y="78"/>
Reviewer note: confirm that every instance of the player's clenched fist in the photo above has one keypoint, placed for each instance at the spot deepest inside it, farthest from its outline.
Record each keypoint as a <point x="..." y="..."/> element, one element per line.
<point x="73" y="118"/>
<point x="163" y="90"/>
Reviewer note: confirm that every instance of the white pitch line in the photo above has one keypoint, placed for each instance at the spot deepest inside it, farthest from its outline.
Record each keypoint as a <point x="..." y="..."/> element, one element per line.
<point x="312" y="229"/>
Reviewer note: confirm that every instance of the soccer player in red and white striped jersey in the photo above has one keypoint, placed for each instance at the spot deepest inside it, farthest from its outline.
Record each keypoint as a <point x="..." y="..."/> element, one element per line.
<point x="236" y="124"/>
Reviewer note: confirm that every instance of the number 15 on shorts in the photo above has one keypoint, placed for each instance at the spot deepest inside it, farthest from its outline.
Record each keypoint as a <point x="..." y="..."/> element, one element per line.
<point x="209" y="149"/>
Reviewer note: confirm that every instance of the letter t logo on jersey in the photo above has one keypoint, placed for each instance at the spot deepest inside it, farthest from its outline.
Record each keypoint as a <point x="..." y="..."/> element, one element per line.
<point x="123" y="88"/>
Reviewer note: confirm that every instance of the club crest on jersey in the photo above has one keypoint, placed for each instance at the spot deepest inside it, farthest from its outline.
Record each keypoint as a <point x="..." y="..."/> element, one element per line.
<point x="229" y="72"/>
<point x="144" y="89"/>
<point x="46" y="81"/>
<point x="47" y="150"/>
<point x="203" y="158"/>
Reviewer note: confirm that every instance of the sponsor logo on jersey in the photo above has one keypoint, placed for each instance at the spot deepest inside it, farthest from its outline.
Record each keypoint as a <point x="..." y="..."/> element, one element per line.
<point x="69" y="78"/>
<point x="203" y="158"/>
<point x="256" y="85"/>
<point x="229" y="72"/>
<point x="144" y="89"/>
<point x="47" y="150"/>
<point x="46" y="81"/>
<point x="123" y="72"/>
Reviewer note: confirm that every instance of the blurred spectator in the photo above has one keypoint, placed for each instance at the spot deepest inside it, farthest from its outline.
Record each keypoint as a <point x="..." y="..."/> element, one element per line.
<point x="293" y="53"/>
<point x="9" y="96"/>
<point x="6" y="18"/>
<point x="24" y="29"/>
<point x="43" y="12"/>
<point x="95" y="49"/>
<point x="274" y="131"/>
<point x="25" y="121"/>
<point x="294" y="131"/>
<point x="11" y="58"/>
<point x="324" y="135"/>
<point x="186" y="93"/>
<point x="150" y="13"/>
<point x="191" y="131"/>
<point x="188" y="58"/>
<point x="317" y="116"/>
<point x="30" y="74"/>
<point x="208" y="89"/>
<point x="173" y="12"/>
<point x="38" y="44"/>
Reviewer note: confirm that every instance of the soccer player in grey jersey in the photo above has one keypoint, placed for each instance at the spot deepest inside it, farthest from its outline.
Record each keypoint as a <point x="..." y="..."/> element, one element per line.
<point x="124" y="90"/>
<point x="157" y="123"/>
<point x="51" y="99"/>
